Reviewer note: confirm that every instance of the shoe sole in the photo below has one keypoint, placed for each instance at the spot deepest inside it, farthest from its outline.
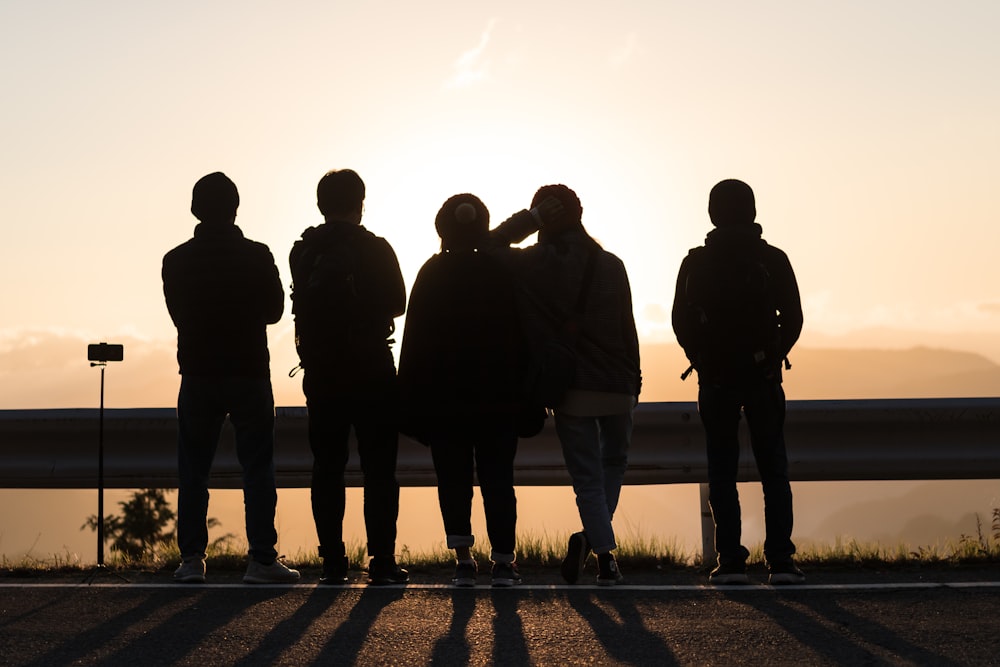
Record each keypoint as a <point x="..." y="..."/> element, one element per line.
<point x="505" y="583"/>
<point x="191" y="579"/>
<point x="576" y="557"/>
<point x="729" y="579"/>
<point x="786" y="579"/>
<point x="610" y="582"/>
<point x="464" y="582"/>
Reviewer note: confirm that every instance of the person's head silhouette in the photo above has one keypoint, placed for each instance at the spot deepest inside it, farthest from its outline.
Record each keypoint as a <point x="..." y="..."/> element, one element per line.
<point x="570" y="217"/>
<point x="463" y="223"/>
<point x="340" y="196"/>
<point x="731" y="202"/>
<point x="214" y="199"/>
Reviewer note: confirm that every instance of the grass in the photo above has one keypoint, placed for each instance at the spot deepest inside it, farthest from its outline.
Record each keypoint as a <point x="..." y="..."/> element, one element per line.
<point x="546" y="551"/>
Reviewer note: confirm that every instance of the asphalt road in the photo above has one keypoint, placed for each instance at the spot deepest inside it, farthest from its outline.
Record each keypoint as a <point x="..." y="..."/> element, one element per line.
<point x="846" y="618"/>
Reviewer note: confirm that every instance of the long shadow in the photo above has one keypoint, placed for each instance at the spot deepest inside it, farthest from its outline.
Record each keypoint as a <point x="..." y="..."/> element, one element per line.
<point x="345" y="644"/>
<point x="92" y="639"/>
<point x="833" y="645"/>
<point x="453" y="648"/>
<point x="875" y="633"/>
<point x="628" y="640"/>
<point x="509" y="645"/>
<point x="182" y="634"/>
<point x="290" y="631"/>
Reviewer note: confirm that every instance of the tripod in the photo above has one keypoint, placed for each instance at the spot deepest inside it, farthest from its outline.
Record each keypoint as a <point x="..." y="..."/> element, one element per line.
<point x="100" y="355"/>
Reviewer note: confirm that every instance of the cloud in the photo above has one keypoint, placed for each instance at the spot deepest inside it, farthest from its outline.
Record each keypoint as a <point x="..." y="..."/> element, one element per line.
<point x="472" y="67"/>
<point x="990" y="308"/>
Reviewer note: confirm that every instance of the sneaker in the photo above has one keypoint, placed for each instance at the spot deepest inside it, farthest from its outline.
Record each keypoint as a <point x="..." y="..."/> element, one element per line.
<point x="465" y="574"/>
<point x="334" y="571"/>
<point x="729" y="574"/>
<point x="383" y="571"/>
<point x="608" y="573"/>
<point x="785" y="572"/>
<point x="576" y="557"/>
<point x="191" y="571"/>
<point x="274" y="573"/>
<point x="505" y="575"/>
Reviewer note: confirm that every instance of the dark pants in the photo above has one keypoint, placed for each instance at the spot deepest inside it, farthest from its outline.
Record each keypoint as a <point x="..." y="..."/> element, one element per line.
<point x="487" y="450"/>
<point x="763" y="403"/>
<point x="371" y="409"/>
<point x="202" y="406"/>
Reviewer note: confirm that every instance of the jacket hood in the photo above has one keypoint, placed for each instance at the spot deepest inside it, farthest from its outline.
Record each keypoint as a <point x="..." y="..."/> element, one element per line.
<point x="330" y="231"/>
<point x="734" y="235"/>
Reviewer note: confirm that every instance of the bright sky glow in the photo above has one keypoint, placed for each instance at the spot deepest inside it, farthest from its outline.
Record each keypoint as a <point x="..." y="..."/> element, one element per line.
<point x="868" y="131"/>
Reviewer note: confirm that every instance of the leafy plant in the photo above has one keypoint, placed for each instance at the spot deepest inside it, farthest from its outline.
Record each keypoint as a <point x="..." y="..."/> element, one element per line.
<point x="141" y="530"/>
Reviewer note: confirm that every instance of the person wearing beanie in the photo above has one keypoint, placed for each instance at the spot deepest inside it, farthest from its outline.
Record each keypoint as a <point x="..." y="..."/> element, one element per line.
<point x="347" y="290"/>
<point x="573" y="291"/>
<point x="737" y="314"/>
<point x="222" y="290"/>
<point x="461" y="371"/>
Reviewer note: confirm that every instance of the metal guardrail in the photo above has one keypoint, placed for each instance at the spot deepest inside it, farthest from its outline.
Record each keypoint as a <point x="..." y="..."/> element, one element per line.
<point x="898" y="439"/>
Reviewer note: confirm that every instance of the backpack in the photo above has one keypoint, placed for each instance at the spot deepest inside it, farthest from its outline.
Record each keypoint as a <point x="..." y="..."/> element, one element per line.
<point x="731" y="300"/>
<point x="325" y="298"/>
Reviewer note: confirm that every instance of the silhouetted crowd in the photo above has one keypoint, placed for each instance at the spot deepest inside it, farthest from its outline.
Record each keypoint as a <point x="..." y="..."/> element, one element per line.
<point x="499" y="338"/>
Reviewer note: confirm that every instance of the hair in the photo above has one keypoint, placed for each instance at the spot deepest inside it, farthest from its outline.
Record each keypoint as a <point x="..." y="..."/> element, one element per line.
<point x="463" y="223"/>
<point x="572" y="218"/>
<point x="214" y="198"/>
<point x="731" y="202"/>
<point x="570" y="201"/>
<point x="340" y="191"/>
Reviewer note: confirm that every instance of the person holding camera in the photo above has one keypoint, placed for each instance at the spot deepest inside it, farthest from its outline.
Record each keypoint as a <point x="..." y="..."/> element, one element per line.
<point x="575" y="296"/>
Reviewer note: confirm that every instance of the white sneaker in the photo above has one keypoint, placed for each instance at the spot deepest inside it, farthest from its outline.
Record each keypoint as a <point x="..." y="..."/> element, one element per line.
<point x="275" y="573"/>
<point x="191" y="571"/>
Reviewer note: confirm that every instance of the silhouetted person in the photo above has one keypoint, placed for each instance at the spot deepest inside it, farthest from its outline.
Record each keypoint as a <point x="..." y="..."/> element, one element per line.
<point x="222" y="290"/>
<point x="461" y="374"/>
<point x="594" y="420"/>
<point x="347" y="289"/>
<point x="737" y="314"/>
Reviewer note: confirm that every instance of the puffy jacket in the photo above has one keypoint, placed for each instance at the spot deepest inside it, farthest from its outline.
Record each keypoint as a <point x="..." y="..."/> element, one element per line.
<point x="463" y="353"/>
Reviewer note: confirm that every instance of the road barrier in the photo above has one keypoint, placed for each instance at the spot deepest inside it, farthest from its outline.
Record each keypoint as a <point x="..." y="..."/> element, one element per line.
<point x="885" y="439"/>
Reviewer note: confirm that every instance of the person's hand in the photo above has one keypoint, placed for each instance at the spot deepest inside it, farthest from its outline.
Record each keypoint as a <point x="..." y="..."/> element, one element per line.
<point x="549" y="212"/>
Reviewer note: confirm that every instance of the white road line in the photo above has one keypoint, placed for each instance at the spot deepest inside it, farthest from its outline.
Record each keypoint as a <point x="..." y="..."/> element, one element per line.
<point x="524" y="587"/>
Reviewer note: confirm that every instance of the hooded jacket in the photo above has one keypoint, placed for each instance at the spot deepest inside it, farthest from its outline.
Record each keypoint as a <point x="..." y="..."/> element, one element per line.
<point x="222" y="290"/>
<point x="732" y="242"/>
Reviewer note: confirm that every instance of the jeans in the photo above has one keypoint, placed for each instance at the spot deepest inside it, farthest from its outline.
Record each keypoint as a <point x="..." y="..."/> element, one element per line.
<point x="763" y="403"/>
<point x="371" y="410"/>
<point x="202" y="406"/>
<point x="487" y="450"/>
<point x="596" y="453"/>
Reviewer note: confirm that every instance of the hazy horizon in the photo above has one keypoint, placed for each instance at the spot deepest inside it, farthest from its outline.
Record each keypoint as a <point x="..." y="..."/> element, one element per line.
<point x="916" y="512"/>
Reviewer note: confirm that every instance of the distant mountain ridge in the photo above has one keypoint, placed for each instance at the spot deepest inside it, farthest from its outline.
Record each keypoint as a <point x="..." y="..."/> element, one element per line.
<point x="50" y="371"/>
<point x="832" y="373"/>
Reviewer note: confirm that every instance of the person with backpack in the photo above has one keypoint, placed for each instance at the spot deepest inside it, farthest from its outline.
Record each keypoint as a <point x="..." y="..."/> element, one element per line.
<point x="575" y="298"/>
<point x="461" y="372"/>
<point x="347" y="289"/>
<point x="737" y="314"/>
<point x="222" y="290"/>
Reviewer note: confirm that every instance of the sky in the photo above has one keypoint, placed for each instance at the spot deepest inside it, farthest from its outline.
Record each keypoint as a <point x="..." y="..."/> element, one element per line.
<point x="868" y="131"/>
